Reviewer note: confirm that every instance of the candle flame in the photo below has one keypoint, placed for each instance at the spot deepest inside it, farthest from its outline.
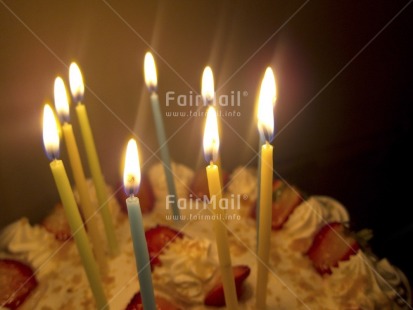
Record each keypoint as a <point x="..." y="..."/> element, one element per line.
<point x="266" y="103"/>
<point x="77" y="88"/>
<point x="208" y="85"/>
<point x="211" y="136"/>
<point x="50" y="133"/>
<point x="60" y="100"/>
<point x="132" y="170"/>
<point x="150" y="72"/>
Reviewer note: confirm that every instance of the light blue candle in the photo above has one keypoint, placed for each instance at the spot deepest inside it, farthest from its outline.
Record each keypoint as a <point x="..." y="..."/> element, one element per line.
<point x="141" y="252"/>
<point x="131" y="181"/>
<point x="151" y="83"/>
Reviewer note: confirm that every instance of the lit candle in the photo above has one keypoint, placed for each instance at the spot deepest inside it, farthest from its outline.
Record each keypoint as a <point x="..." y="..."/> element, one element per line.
<point x="152" y="83"/>
<point x="51" y="144"/>
<point x="62" y="109"/>
<point x="131" y="181"/>
<point x="77" y="89"/>
<point x="208" y="95"/>
<point x="272" y="93"/>
<point x="266" y="128"/>
<point x="211" y="146"/>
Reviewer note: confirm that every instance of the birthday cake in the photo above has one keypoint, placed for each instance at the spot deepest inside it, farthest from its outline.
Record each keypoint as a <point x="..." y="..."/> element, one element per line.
<point x="316" y="262"/>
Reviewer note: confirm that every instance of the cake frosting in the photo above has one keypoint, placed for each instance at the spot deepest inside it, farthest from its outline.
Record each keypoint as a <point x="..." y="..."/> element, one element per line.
<point x="186" y="269"/>
<point x="304" y="222"/>
<point x="189" y="265"/>
<point x="27" y="243"/>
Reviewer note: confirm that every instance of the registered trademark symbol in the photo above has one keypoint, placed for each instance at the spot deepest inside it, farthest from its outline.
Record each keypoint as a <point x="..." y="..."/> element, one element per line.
<point x="245" y="93"/>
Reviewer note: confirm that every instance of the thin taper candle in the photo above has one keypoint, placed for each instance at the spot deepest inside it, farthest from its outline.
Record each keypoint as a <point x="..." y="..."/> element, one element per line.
<point x="131" y="181"/>
<point x="265" y="218"/>
<point x="266" y="128"/>
<point x="88" y="209"/>
<point x="97" y="176"/>
<point x="77" y="89"/>
<point x="51" y="143"/>
<point x="143" y="264"/>
<point x="211" y="146"/>
<point x="224" y="256"/>
<point x="78" y="232"/>
<point x="151" y="83"/>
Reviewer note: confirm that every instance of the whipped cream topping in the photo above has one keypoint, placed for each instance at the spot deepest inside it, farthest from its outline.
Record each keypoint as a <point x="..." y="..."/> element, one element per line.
<point x="182" y="176"/>
<point x="30" y="244"/>
<point x="354" y="283"/>
<point x="244" y="182"/>
<point x="309" y="217"/>
<point x="187" y="266"/>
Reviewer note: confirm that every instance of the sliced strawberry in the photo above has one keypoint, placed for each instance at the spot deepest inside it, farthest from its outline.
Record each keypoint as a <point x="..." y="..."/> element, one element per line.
<point x="161" y="303"/>
<point x="56" y="223"/>
<point x="216" y="297"/>
<point x="16" y="282"/>
<point x="284" y="200"/>
<point x="158" y="238"/>
<point x="199" y="186"/>
<point x="145" y="194"/>
<point x="332" y="244"/>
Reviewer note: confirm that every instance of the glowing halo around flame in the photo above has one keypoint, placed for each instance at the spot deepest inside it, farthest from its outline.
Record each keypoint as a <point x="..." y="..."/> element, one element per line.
<point x="208" y="85"/>
<point x="151" y="80"/>
<point x="132" y="171"/>
<point x="211" y="136"/>
<point x="50" y="133"/>
<point x="77" y="87"/>
<point x="266" y="102"/>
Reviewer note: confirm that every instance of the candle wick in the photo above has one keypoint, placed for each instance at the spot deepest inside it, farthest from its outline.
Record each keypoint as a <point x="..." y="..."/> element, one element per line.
<point x="211" y="162"/>
<point x="152" y="89"/>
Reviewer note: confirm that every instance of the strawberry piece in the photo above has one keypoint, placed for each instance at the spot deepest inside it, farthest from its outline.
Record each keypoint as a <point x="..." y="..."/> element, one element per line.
<point x="199" y="186"/>
<point x="56" y="223"/>
<point x="161" y="303"/>
<point x="284" y="200"/>
<point x="158" y="238"/>
<point x="216" y="297"/>
<point x="16" y="282"/>
<point x="332" y="244"/>
<point x="146" y="195"/>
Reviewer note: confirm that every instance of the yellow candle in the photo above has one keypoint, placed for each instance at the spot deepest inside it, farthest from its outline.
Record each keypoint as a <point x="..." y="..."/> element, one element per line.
<point x="51" y="141"/>
<point x="214" y="185"/>
<point x="266" y="127"/>
<point x="77" y="89"/>
<point x="211" y="145"/>
<point x="265" y="218"/>
<point x="62" y="107"/>
<point x="88" y="209"/>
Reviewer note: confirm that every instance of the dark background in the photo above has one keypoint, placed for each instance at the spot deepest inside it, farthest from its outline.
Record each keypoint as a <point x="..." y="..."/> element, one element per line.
<point x="344" y="109"/>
